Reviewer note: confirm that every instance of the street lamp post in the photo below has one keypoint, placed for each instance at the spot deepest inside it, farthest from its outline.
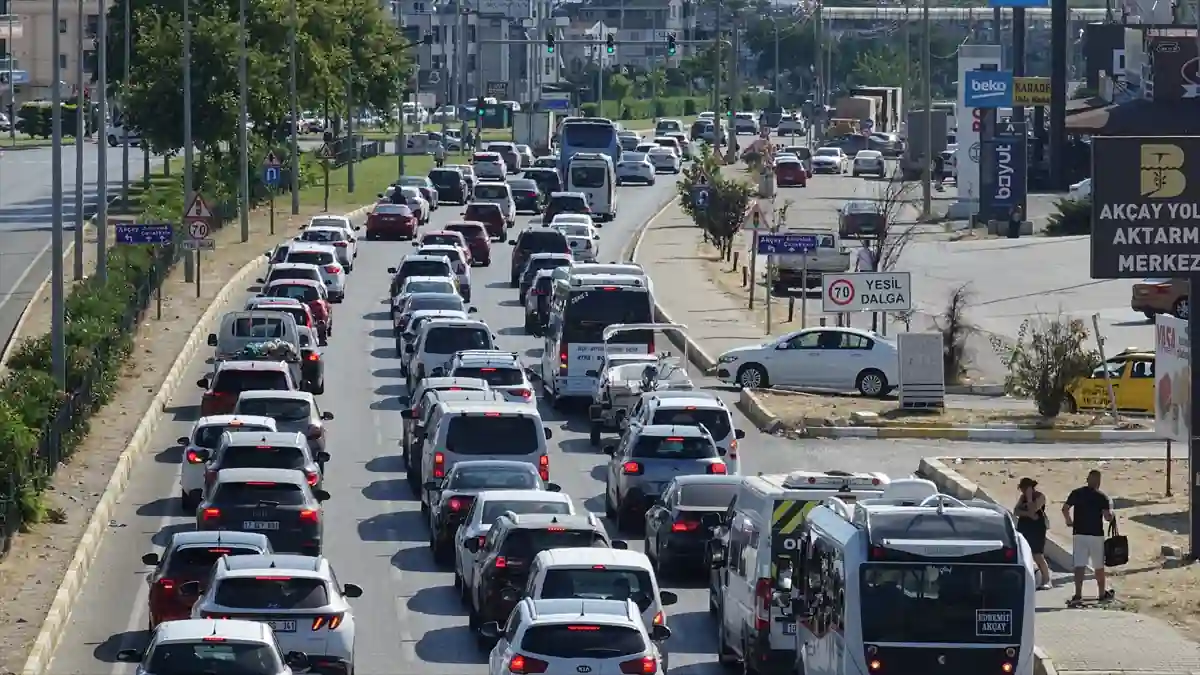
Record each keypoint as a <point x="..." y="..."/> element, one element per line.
<point x="295" y="110"/>
<point x="58" y="347"/>
<point x="102" y="140"/>
<point x="243" y="143"/>
<point x="80" y="111"/>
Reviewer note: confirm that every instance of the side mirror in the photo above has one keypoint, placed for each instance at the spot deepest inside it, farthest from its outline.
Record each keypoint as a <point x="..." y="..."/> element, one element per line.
<point x="352" y="591"/>
<point x="471" y="310"/>
<point x="416" y="243"/>
<point x="512" y="242"/>
<point x="620" y="545"/>
<point x="129" y="655"/>
<point x="490" y="630"/>
<point x="667" y="598"/>
<point x="592" y="373"/>
<point x="596" y="237"/>
<point x="182" y="441"/>
<point x="326" y="417"/>
<point x="610" y="449"/>
<point x="380" y="195"/>
<point x="150" y="559"/>
<point x="739" y="434"/>
<point x="297" y="660"/>
<point x="553" y="487"/>
<point x="510" y="594"/>
<point x="202" y="383"/>
<point x="409" y="349"/>
<point x="391" y="270"/>
<point x="267" y="254"/>
<point x="473" y="545"/>
<point x="407" y="413"/>
<point x="190" y="590"/>
<point x="437" y="372"/>
<point x="404" y="400"/>
<point x="323" y="456"/>
<point x="212" y="339"/>
<point x="321" y="495"/>
<point x="548" y="433"/>
<point x="259" y="281"/>
<point x="660" y="633"/>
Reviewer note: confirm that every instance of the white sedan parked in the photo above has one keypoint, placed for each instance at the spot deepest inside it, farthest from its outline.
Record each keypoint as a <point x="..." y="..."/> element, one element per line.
<point x="839" y="359"/>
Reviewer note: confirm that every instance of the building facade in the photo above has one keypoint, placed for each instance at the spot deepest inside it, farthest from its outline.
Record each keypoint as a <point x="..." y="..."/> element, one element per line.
<point x="32" y="33"/>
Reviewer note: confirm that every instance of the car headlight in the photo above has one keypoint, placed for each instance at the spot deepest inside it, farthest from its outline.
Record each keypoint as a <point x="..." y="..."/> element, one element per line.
<point x="727" y="358"/>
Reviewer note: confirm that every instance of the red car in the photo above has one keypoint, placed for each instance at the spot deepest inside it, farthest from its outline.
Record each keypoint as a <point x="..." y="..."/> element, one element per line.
<point x="490" y="215"/>
<point x="311" y="293"/>
<point x="478" y="241"/>
<point x="189" y="557"/>
<point x="391" y="221"/>
<point x="790" y="172"/>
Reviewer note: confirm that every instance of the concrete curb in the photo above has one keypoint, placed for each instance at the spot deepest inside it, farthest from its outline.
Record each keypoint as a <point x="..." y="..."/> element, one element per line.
<point x="975" y="389"/>
<point x="758" y="413"/>
<point x="68" y="590"/>
<point x="1042" y="663"/>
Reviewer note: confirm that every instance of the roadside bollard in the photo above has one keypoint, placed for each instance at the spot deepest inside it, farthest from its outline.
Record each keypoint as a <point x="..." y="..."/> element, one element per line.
<point x="791" y="308"/>
<point x="744" y="274"/>
<point x="735" y="259"/>
<point x="822" y="322"/>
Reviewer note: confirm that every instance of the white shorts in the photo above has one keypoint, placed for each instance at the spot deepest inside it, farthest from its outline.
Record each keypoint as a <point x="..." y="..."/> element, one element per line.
<point x="1087" y="551"/>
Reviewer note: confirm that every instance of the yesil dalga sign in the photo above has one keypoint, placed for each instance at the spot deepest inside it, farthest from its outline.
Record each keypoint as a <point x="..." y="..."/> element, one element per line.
<point x="1145" y="206"/>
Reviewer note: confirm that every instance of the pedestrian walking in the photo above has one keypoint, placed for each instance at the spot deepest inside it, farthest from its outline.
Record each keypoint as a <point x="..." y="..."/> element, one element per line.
<point x="939" y="171"/>
<point x="1032" y="523"/>
<point x="1085" y="512"/>
<point x="1015" y="218"/>
<point x="865" y="261"/>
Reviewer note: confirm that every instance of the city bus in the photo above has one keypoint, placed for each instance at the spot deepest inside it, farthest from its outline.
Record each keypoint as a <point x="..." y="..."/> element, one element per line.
<point x="586" y="134"/>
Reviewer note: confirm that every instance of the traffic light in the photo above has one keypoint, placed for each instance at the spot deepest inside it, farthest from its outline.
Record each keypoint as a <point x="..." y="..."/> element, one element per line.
<point x="728" y="103"/>
<point x="427" y="39"/>
<point x="610" y="43"/>
<point x="670" y="44"/>
<point x="549" y="42"/>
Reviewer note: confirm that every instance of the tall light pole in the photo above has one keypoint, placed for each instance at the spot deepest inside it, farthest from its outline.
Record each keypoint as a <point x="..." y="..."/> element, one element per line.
<point x="243" y="145"/>
<point x="102" y="146"/>
<point x="58" y="346"/>
<point x="125" y="107"/>
<point x="189" y="267"/>
<point x="12" y="89"/>
<point x="927" y="151"/>
<point x="295" y="110"/>
<point x="80" y="111"/>
<point x="775" y="20"/>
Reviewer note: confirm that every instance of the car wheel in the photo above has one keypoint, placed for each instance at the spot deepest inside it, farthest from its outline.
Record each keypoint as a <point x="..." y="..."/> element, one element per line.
<point x="872" y="382"/>
<point x="609" y="511"/>
<point x="1181" y="308"/>
<point x="319" y="387"/>
<point x="753" y="376"/>
<point x="594" y="434"/>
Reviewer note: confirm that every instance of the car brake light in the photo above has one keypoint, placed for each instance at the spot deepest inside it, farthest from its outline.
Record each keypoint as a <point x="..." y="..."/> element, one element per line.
<point x="310" y="516"/>
<point x="211" y="514"/>
<point x="439" y="465"/>
<point x="482" y="539"/>
<point x="331" y="622"/>
<point x="562" y="361"/>
<point x="556" y="528"/>
<point x="341" y="244"/>
<point x="333" y="269"/>
<point x="455" y="504"/>
<point x="273" y="578"/>
<point x="674" y="439"/>
<point x="313" y="477"/>
<point x="544" y="467"/>
<point x="685" y="526"/>
<point x="524" y="665"/>
<point x="647" y="665"/>
<point x="491" y="414"/>
<point x="193" y="457"/>
<point x="523" y="393"/>
<point x="631" y="469"/>
<point x="762" y="609"/>
<point x="313" y="356"/>
<point x="501" y="562"/>
<point x="659" y="619"/>
<point x="212" y="638"/>
<point x="166" y="584"/>
<point x="718" y="468"/>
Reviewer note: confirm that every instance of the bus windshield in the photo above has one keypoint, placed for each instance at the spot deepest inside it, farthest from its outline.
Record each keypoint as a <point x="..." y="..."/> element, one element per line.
<point x="957" y="603"/>
<point x="589" y="312"/>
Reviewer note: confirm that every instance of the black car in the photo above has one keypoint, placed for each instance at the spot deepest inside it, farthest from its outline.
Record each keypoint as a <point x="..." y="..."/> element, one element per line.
<point x="547" y="179"/>
<point x="678" y="524"/>
<point x="504" y="559"/>
<point x="276" y="502"/>
<point x="565" y="202"/>
<point x="534" y="241"/>
<point x="527" y="196"/>
<point x="451" y="185"/>
<point x="312" y="366"/>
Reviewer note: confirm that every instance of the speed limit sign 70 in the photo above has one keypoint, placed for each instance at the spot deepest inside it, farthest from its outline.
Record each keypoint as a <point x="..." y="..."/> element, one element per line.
<point x="866" y="292"/>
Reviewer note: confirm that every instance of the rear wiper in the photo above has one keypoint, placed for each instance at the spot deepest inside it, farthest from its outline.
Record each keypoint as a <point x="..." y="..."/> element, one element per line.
<point x="265" y="503"/>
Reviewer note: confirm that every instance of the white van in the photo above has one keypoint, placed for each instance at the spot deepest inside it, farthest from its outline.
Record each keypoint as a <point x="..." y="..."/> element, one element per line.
<point x="592" y="174"/>
<point x="501" y="195"/>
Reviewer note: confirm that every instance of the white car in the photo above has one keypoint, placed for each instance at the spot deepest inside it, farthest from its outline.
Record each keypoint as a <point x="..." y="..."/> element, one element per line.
<point x="501" y="370"/>
<point x="487" y="507"/>
<point x="419" y="205"/>
<point x="707" y="115"/>
<point x="325" y="258"/>
<point x="830" y="160"/>
<point x="210" y="646"/>
<point x="635" y="167"/>
<point x="791" y="125"/>
<point x="458" y="262"/>
<point x="605" y="637"/>
<point x="343" y="245"/>
<point x="489" y="166"/>
<point x="526" y="154"/>
<point x="1081" y="190"/>
<point x="839" y="359"/>
<point x="869" y="161"/>
<point x="572" y="218"/>
<point x="198" y="446"/>
<point x="571" y="228"/>
<point x="583" y="249"/>
<point x="411" y="327"/>
<point x="341" y="222"/>
<point x="297" y="596"/>
<point x="664" y="159"/>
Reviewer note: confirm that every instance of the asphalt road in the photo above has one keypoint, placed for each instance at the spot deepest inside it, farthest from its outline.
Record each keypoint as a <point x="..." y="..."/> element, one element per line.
<point x="410" y="619"/>
<point x="26" y="210"/>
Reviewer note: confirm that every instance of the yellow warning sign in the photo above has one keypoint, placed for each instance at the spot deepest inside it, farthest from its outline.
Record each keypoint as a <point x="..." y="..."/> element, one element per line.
<point x="1031" y="91"/>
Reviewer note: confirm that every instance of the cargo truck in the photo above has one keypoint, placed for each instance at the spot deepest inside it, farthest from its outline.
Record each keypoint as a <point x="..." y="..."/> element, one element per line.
<point x="857" y="108"/>
<point x="890" y="106"/>
<point x="534" y="129"/>
<point x="922" y="125"/>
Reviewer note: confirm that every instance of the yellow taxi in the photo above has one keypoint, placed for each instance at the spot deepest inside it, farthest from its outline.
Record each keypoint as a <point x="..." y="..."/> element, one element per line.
<point x="1132" y="375"/>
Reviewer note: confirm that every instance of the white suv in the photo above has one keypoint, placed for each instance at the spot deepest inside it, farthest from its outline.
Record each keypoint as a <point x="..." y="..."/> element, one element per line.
<point x="199" y="445"/>
<point x="458" y="262"/>
<point x="297" y="596"/>
<point x="691" y="408"/>
<point x="501" y="370"/>
<point x="210" y="646"/>
<point x="436" y="342"/>
<point x="589" y="636"/>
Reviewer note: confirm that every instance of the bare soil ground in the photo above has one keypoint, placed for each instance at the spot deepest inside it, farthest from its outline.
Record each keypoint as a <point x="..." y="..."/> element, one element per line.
<point x="30" y="575"/>
<point x="1150" y="583"/>
<point x="835" y="410"/>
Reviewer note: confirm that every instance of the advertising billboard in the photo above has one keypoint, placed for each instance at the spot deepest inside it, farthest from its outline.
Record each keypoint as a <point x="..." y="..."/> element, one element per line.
<point x="1103" y="50"/>
<point x="1145" y="206"/>
<point x="1172" y="378"/>
<point x="1174" y="64"/>
<point x="970" y="57"/>
<point x="1005" y="187"/>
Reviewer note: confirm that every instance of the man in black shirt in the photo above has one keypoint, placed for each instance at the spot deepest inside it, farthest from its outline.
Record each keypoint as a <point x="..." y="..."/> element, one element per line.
<point x="1091" y="509"/>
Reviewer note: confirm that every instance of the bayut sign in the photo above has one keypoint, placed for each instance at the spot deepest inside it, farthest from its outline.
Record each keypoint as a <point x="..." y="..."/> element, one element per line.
<point x="988" y="89"/>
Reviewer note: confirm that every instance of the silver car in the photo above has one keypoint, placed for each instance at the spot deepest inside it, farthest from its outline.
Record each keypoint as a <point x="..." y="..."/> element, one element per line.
<point x="291" y="410"/>
<point x="210" y="646"/>
<point x="342" y="242"/>
<point x="635" y="167"/>
<point x="647" y="459"/>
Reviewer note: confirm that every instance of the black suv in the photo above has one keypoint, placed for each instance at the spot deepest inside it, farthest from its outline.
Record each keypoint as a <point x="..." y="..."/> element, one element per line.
<point x="565" y="202"/>
<point x="503" y="560"/>
<point x="451" y="185"/>
<point x="534" y="241"/>
<point x="547" y="179"/>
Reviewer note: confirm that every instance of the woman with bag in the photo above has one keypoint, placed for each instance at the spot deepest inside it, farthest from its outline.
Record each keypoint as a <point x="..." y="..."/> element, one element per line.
<point x="1033" y="523"/>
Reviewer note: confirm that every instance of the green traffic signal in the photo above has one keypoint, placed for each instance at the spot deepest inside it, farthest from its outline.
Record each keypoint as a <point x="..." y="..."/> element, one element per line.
<point x="611" y="49"/>
<point x="549" y="49"/>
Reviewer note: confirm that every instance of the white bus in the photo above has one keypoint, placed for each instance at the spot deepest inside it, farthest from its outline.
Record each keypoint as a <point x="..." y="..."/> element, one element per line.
<point x="913" y="582"/>
<point x="592" y="174"/>
<point x="581" y="307"/>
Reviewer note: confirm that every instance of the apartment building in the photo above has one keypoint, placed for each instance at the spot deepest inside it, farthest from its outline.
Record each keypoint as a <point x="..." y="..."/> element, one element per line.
<point x="32" y="50"/>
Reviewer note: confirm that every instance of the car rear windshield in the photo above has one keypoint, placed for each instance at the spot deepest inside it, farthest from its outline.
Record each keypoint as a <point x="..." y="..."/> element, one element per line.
<point x="469" y="231"/>
<point x="299" y="292"/>
<point x="310" y="257"/>
<point x="547" y="180"/>
<point x="393" y="210"/>
<point x="210" y="436"/>
<point x="673" y="447"/>
<point x="497" y="377"/>
<point x="258" y="327"/>
<point x="196" y="560"/>
<point x="445" y="178"/>
<point x="440" y="239"/>
<point x="237" y="381"/>
<point x="716" y="421"/>
<point x="523" y="184"/>
<point x="273" y="593"/>
<point x="429" y="287"/>
<point x="583" y="641"/>
<point x="500" y="435"/>
<point x="294" y="273"/>
<point x="495" y="508"/>
<point x="543" y="241"/>
<point x="573" y="202"/>
<point x="252" y="494"/>
<point x="425" y="268"/>
<point x="285" y="409"/>
<point x="441" y="301"/>
<point x="454" y="255"/>
<point x="543" y="283"/>
<point x="485" y="191"/>
<point x="708" y="496"/>
<point x="524" y="544"/>
<point x="217" y="658"/>
<point x="482" y="211"/>
<point x="540" y="264"/>
<point x="298" y="314"/>
<point x="323" y="235"/>
<point x="599" y="583"/>
<point x="262" y="457"/>
<point x="450" y="339"/>
<point x="491" y="478"/>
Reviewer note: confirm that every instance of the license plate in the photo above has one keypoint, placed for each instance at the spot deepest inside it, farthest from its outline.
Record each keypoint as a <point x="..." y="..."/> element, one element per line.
<point x="789" y="629"/>
<point x="288" y="626"/>
<point x="261" y="525"/>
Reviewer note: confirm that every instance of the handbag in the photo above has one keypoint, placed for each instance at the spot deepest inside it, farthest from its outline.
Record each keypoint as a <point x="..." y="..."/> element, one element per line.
<point x="1116" y="547"/>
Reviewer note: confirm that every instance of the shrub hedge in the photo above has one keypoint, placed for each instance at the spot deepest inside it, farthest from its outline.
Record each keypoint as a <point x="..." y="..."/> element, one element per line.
<point x="33" y="119"/>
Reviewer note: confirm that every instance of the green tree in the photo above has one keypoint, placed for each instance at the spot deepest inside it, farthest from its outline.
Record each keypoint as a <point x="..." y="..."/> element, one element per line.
<point x="883" y="67"/>
<point x="618" y="88"/>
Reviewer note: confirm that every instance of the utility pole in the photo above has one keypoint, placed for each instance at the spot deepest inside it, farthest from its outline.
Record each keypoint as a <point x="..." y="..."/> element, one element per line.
<point x="775" y="20"/>
<point x="295" y="109"/>
<point x="125" y="82"/>
<point x="927" y="151"/>
<point x="243" y="143"/>
<point x="907" y="61"/>
<point x="12" y="88"/>
<point x="189" y="269"/>
<point x="102" y="145"/>
<point x="80" y="113"/>
<point x="719" y="46"/>
<point x="350" y="129"/>
<point x="58" y="329"/>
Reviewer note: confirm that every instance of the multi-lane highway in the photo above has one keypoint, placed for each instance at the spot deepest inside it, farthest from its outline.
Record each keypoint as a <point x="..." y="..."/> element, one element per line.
<point x="410" y="620"/>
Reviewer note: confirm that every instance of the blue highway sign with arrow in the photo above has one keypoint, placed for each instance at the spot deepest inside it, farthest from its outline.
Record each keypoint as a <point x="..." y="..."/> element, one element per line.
<point x="145" y="233"/>
<point x="700" y="196"/>
<point x="271" y="174"/>
<point x="786" y="243"/>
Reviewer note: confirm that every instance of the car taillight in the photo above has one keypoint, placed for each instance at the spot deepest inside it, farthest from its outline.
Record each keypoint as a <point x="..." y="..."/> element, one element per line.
<point x="417" y="413"/>
<point x="456" y="504"/>
<point x="733" y="447"/>
<point x="526" y="665"/>
<point x="310" y="516"/>
<point x="211" y="514"/>
<point x="538" y="291"/>
<point x="647" y="665"/>
<point x="439" y="465"/>
<point x="1162" y="288"/>
<point x="562" y="361"/>
<point x="685" y="526"/>
<point x="333" y="269"/>
<point x="331" y="621"/>
<point x="194" y="457"/>
<point x="315" y="431"/>
<point x="544" y="467"/>
<point x="166" y="584"/>
<point x="341" y="244"/>
<point x="631" y="469"/>
<point x="659" y="619"/>
<point x="313" y="356"/>
<point x="718" y="468"/>
<point x="523" y="393"/>
<point x="312" y="477"/>
<point x="762" y="608"/>
<point x="501" y="562"/>
<point x="482" y="539"/>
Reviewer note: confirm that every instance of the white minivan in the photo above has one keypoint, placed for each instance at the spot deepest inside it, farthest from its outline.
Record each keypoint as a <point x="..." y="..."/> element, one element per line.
<point x="500" y="194"/>
<point x="592" y="174"/>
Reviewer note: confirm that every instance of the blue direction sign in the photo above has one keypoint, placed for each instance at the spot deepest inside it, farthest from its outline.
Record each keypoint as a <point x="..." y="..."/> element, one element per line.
<point x="271" y="174"/>
<point x="700" y="194"/>
<point x="786" y="243"/>
<point x="145" y="233"/>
